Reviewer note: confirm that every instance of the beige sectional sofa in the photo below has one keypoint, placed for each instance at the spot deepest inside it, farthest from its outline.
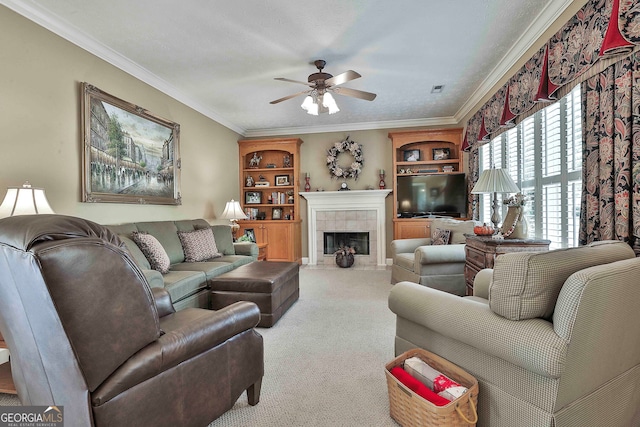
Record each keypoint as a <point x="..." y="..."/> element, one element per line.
<point x="186" y="282"/>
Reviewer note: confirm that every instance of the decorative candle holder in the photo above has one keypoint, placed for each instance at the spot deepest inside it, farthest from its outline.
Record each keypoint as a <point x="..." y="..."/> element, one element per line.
<point x="307" y="186"/>
<point x="382" y="184"/>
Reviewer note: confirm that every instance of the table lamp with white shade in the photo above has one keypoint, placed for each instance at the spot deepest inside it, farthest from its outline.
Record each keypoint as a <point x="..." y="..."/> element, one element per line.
<point x="495" y="181"/>
<point x="25" y="200"/>
<point x="233" y="212"/>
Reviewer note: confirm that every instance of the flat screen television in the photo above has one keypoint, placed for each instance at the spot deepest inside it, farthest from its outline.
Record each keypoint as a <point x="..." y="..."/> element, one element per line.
<point x="432" y="195"/>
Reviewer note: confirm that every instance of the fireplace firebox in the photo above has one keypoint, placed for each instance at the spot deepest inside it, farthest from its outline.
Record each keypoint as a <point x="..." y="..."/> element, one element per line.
<point x="334" y="240"/>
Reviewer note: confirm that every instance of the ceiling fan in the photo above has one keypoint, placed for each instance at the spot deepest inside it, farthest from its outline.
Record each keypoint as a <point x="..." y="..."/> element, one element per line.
<point x="319" y="98"/>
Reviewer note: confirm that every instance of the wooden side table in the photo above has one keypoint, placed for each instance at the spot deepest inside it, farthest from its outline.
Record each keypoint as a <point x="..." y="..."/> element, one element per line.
<point x="262" y="251"/>
<point x="481" y="252"/>
<point x="6" y="380"/>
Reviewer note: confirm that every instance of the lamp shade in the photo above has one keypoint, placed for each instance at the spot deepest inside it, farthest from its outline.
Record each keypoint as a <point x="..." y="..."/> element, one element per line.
<point x="495" y="181"/>
<point x="24" y="200"/>
<point x="233" y="211"/>
<point x="310" y="105"/>
<point x="330" y="103"/>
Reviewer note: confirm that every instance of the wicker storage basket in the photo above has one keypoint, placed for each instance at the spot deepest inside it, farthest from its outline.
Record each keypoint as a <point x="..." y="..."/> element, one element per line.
<point x="409" y="409"/>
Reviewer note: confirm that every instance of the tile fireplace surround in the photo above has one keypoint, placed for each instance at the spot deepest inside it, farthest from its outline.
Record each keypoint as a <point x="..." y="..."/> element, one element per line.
<point x="354" y="210"/>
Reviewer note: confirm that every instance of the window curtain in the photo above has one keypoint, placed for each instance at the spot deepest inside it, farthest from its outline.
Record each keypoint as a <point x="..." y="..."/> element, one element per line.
<point x="598" y="35"/>
<point x="611" y="154"/>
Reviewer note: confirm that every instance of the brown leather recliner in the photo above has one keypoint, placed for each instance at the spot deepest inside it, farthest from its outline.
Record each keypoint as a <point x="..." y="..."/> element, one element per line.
<point x="86" y="332"/>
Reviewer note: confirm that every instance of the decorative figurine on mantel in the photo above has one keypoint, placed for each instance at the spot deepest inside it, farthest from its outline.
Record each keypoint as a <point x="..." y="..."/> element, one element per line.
<point x="382" y="184"/>
<point x="307" y="186"/>
<point x="255" y="161"/>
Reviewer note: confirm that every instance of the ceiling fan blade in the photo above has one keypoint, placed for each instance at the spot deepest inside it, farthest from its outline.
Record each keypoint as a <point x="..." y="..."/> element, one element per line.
<point x="368" y="96"/>
<point x="342" y="78"/>
<point x="282" y="79"/>
<point x="289" y="97"/>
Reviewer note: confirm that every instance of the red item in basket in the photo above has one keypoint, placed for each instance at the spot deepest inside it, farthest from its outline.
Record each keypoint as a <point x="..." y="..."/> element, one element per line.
<point x="417" y="387"/>
<point x="441" y="383"/>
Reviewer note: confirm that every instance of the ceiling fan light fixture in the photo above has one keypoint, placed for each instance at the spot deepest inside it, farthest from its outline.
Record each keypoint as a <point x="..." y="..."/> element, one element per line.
<point x="330" y="103"/>
<point x="310" y="106"/>
<point x="318" y="99"/>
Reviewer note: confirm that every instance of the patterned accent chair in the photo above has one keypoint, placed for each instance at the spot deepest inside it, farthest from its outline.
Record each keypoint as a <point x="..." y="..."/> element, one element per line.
<point x="436" y="266"/>
<point x="552" y="337"/>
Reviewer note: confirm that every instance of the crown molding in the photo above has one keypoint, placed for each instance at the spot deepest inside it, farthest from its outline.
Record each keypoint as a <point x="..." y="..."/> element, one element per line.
<point x="70" y="33"/>
<point x="350" y="127"/>
<point x="538" y="27"/>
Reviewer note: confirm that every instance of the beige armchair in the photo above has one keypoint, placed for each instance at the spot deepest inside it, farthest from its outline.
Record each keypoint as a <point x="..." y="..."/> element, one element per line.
<point x="555" y="344"/>
<point x="436" y="266"/>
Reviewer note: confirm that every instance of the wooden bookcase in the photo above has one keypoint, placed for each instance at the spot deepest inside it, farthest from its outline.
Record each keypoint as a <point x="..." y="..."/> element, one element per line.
<point x="439" y="153"/>
<point x="276" y="203"/>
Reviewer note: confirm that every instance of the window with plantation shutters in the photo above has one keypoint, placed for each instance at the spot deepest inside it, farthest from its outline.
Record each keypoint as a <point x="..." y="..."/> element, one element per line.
<point x="543" y="155"/>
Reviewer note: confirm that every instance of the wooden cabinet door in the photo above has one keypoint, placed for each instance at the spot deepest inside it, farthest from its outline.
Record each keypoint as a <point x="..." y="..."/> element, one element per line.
<point x="280" y="239"/>
<point x="412" y="229"/>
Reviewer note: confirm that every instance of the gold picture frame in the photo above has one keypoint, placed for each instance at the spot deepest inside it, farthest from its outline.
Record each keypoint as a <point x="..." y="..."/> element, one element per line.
<point x="129" y="155"/>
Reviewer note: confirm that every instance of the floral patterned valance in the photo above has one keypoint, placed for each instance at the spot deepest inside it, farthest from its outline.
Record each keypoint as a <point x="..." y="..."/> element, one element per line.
<point x="601" y="28"/>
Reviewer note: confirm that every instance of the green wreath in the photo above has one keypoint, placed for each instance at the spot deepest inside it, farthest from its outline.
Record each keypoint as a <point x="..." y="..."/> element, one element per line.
<point x="353" y="148"/>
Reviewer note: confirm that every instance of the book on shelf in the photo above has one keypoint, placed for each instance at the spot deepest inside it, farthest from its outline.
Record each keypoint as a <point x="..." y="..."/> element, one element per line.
<point x="278" y="198"/>
<point x="252" y="213"/>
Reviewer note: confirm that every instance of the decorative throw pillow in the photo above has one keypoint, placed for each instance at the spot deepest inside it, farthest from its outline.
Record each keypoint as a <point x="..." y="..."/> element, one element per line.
<point x="440" y="237"/>
<point x="153" y="251"/>
<point x="198" y="245"/>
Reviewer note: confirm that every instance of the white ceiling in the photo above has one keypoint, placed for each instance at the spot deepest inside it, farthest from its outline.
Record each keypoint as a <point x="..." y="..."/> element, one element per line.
<point x="221" y="57"/>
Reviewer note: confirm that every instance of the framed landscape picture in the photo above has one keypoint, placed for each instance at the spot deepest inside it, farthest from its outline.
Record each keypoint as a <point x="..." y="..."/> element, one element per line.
<point x="129" y="154"/>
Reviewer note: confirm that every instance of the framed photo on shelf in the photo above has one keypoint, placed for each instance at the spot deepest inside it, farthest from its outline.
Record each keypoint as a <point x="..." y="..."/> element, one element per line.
<point x="276" y="213"/>
<point x="250" y="234"/>
<point x="411" y="155"/>
<point x="253" y="197"/>
<point x="282" y="180"/>
<point x="441" y="153"/>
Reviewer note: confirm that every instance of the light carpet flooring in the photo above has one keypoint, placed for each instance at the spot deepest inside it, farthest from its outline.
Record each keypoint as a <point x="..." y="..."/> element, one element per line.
<point x="324" y="359"/>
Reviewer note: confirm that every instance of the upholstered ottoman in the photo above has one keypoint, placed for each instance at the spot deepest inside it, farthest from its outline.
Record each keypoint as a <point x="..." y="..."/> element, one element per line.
<point x="273" y="286"/>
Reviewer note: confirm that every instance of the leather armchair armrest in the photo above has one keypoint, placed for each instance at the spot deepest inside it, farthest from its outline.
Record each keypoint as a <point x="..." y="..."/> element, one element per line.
<point x="246" y="248"/>
<point x="188" y="333"/>
<point x="481" y="283"/>
<point x="439" y="254"/>
<point x="403" y="246"/>
<point x="531" y="344"/>
<point x="163" y="302"/>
